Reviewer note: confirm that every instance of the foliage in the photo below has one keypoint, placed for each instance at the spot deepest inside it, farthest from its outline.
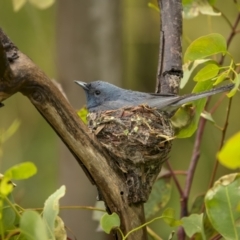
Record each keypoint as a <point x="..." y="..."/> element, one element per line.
<point x="229" y="155"/>
<point x="28" y="224"/>
<point x="41" y="4"/>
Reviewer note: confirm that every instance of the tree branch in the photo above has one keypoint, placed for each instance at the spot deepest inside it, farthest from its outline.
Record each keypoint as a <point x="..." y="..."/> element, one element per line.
<point x="19" y="74"/>
<point x="169" y="71"/>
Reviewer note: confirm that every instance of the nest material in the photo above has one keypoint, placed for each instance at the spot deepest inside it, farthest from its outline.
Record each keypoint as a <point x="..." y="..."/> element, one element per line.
<point x="138" y="139"/>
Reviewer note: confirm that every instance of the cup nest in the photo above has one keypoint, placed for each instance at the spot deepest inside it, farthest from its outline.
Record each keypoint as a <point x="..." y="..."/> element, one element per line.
<point x="138" y="139"/>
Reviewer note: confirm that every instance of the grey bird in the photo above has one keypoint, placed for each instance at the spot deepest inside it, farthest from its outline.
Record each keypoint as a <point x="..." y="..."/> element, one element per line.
<point x="102" y="96"/>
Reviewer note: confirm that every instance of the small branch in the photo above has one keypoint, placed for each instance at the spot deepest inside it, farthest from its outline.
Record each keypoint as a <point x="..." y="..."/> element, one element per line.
<point x="221" y="143"/>
<point x="224" y="17"/>
<point x="175" y="179"/>
<point x="153" y="234"/>
<point x="190" y="175"/>
<point x="230" y="37"/>
<point x="217" y="104"/>
<point x="169" y="71"/>
<point x="169" y="174"/>
<point x="196" y="149"/>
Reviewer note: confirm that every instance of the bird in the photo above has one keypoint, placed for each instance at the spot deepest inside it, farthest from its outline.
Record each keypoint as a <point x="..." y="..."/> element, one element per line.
<point x="103" y="96"/>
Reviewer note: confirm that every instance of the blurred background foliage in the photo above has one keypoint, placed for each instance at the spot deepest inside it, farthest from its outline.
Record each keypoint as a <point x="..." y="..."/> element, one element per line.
<point x="116" y="41"/>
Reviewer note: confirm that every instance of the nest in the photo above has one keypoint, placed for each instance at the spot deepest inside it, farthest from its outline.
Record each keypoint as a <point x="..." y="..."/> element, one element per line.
<point x="138" y="139"/>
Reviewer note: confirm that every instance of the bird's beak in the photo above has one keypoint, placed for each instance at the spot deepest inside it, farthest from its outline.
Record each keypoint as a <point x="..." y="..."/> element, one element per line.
<point x="82" y="84"/>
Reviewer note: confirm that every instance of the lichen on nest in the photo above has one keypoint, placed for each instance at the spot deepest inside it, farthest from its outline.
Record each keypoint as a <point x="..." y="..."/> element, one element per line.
<point x="139" y="140"/>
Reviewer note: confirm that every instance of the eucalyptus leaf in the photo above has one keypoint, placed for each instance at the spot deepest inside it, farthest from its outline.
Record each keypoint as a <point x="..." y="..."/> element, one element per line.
<point x="221" y="78"/>
<point x="82" y="113"/>
<point x="42" y="4"/>
<point x="237" y="84"/>
<point x="193" y="8"/>
<point x="221" y="203"/>
<point x="189" y="68"/>
<point x="197" y="205"/>
<point x="159" y="197"/>
<point x="51" y="210"/>
<point x="21" y="171"/>
<point x="8" y="217"/>
<point x="32" y="226"/>
<point x="206" y="46"/>
<point x="193" y="224"/>
<point x="194" y="115"/>
<point x="18" y="4"/>
<point x="229" y="155"/>
<point x="208" y="72"/>
<point x="207" y="116"/>
<point x="169" y="217"/>
<point x="109" y="222"/>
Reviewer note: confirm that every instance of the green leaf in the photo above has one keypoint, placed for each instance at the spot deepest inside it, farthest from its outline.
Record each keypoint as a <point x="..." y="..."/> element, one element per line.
<point x="189" y="68"/>
<point x="10" y="131"/>
<point x="193" y="224"/>
<point x="207" y="116"/>
<point x="221" y="203"/>
<point x="183" y="118"/>
<point x="220" y="78"/>
<point x="171" y="235"/>
<point x="21" y="171"/>
<point x="60" y="231"/>
<point x="153" y="6"/>
<point x="109" y="222"/>
<point x="32" y="226"/>
<point x="208" y="72"/>
<point x="159" y="197"/>
<point x="42" y="4"/>
<point x="236" y="81"/>
<point x="51" y="210"/>
<point x="198" y="204"/>
<point x="82" y="113"/>
<point x="206" y="46"/>
<point x="169" y="217"/>
<point x="18" y="4"/>
<point x="229" y="156"/>
<point x="6" y="186"/>
<point x="209" y="231"/>
<point x="8" y="217"/>
<point x="193" y="8"/>
<point x="188" y="129"/>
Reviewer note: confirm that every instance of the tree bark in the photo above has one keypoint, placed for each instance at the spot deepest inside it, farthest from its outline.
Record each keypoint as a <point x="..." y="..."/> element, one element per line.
<point x="170" y="71"/>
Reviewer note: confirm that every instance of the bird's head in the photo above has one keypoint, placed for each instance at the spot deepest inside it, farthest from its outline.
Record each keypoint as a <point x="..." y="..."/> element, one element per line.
<point x="99" y="92"/>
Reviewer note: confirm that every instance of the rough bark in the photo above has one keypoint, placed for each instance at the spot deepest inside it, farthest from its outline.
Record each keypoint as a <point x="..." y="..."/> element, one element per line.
<point x="169" y="71"/>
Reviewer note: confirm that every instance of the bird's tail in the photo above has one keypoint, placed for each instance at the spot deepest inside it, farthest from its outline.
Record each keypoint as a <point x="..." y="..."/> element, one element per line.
<point x="195" y="96"/>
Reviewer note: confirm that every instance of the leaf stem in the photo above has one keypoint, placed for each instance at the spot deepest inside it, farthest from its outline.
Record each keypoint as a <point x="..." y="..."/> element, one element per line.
<point x="153" y="234"/>
<point x="74" y="208"/>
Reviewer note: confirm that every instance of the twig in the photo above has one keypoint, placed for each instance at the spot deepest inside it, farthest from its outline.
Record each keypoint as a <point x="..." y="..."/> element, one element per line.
<point x="153" y="234"/>
<point x="224" y="17"/>
<point x="175" y="179"/>
<point x="169" y="174"/>
<point x="230" y="37"/>
<point x="221" y="143"/>
<point x="197" y="143"/>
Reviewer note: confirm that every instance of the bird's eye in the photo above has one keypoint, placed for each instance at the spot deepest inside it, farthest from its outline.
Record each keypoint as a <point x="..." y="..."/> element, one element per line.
<point x="97" y="92"/>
